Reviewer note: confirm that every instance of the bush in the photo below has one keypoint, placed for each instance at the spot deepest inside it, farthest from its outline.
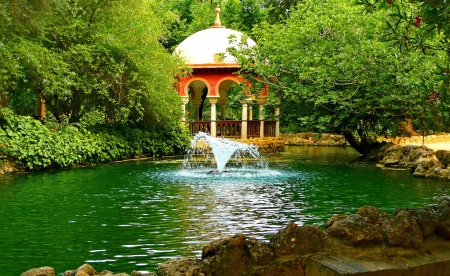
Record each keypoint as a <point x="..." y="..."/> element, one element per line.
<point x="35" y="146"/>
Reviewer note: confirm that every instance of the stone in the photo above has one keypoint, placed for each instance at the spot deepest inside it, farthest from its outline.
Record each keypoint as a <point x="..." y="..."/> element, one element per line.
<point x="298" y="240"/>
<point x="403" y="230"/>
<point x="41" y="271"/>
<point x="426" y="219"/>
<point x="374" y="214"/>
<point x="443" y="228"/>
<point x="86" y="269"/>
<point x="355" y="230"/>
<point x="183" y="267"/>
<point x="228" y="256"/>
<point x="333" y="219"/>
<point x="443" y="156"/>
<point x="260" y="252"/>
<point x="393" y="156"/>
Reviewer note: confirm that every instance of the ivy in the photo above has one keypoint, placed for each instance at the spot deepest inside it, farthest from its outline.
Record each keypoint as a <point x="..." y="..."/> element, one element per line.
<point x="30" y="142"/>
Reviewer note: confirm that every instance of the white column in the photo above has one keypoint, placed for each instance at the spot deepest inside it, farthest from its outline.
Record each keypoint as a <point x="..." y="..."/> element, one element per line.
<point x="250" y="112"/>
<point x="213" y="102"/>
<point x="261" y="120"/>
<point x="277" y="123"/>
<point x="244" y="120"/>
<point x="183" y="107"/>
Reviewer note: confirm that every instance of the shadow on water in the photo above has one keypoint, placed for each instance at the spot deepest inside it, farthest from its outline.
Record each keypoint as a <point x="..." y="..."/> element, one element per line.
<point x="132" y="216"/>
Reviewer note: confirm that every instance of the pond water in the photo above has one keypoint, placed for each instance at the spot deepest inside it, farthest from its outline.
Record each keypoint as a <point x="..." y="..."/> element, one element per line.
<point x="132" y="216"/>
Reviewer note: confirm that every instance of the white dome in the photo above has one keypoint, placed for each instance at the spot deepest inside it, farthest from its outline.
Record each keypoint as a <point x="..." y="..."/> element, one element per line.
<point x="209" y="46"/>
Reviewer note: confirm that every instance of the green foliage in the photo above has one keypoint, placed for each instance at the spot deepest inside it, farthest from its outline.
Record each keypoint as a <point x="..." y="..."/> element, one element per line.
<point x="422" y="25"/>
<point x="36" y="147"/>
<point x="329" y="70"/>
<point x="88" y="56"/>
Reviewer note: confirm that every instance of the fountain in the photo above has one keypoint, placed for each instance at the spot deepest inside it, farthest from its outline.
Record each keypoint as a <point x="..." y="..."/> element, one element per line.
<point x="205" y="148"/>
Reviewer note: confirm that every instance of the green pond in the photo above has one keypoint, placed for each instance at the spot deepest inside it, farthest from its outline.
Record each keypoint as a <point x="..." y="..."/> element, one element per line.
<point x="135" y="215"/>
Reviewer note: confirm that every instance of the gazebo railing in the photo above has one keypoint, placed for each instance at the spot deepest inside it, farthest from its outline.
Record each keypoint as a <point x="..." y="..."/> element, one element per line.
<point x="199" y="126"/>
<point x="253" y="128"/>
<point x="269" y="128"/>
<point x="229" y="128"/>
<point x="233" y="129"/>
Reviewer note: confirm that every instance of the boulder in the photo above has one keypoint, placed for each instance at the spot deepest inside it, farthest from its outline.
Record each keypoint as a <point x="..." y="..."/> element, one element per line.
<point x="182" y="267"/>
<point x="298" y="240"/>
<point x="374" y="214"/>
<point x="443" y="228"/>
<point x="41" y="271"/>
<point x="403" y="230"/>
<point x="355" y="230"/>
<point x="443" y="156"/>
<point x="291" y="267"/>
<point x="228" y="256"/>
<point x="394" y="156"/>
<point x="83" y="270"/>
<point x="261" y="253"/>
<point x="333" y="219"/>
<point x="426" y="219"/>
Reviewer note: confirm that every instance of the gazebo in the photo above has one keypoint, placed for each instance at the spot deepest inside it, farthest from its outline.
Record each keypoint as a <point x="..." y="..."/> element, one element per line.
<point x="214" y="73"/>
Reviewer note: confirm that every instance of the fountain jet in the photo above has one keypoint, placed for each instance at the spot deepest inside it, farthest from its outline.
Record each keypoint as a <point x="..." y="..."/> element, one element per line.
<point x="222" y="150"/>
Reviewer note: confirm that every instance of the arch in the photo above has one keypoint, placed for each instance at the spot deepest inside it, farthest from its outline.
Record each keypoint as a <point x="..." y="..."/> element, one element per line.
<point x="186" y="85"/>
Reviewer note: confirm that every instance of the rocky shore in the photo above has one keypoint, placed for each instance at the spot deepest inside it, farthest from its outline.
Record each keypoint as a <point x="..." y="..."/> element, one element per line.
<point x="412" y="241"/>
<point x="421" y="161"/>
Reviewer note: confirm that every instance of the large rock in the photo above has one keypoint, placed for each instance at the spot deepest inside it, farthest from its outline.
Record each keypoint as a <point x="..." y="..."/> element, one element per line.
<point x="356" y="230"/>
<point x="41" y="271"/>
<point x="228" y="256"/>
<point x="374" y="214"/>
<point x="443" y="156"/>
<point x="334" y="218"/>
<point x="442" y="211"/>
<point x="83" y="270"/>
<point x="426" y="219"/>
<point x="298" y="240"/>
<point x="394" y="156"/>
<point x="183" y="267"/>
<point x="261" y="253"/>
<point x="403" y="230"/>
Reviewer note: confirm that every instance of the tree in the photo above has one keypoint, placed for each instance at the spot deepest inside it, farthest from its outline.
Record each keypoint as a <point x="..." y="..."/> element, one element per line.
<point x="423" y="25"/>
<point x="91" y="56"/>
<point x="329" y="70"/>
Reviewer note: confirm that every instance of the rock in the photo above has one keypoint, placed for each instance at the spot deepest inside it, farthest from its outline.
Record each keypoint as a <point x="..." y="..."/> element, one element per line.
<point x="355" y="230"/>
<point x="228" y="256"/>
<point x="374" y="214"/>
<point x="403" y="230"/>
<point x="260" y="252"/>
<point x="333" y="219"/>
<point x="426" y="219"/>
<point x="291" y="267"/>
<point x="83" y="270"/>
<point x="298" y="240"/>
<point x="183" y="267"/>
<point x="443" y="156"/>
<point x="394" y="156"/>
<point x="443" y="228"/>
<point x="41" y="271"/>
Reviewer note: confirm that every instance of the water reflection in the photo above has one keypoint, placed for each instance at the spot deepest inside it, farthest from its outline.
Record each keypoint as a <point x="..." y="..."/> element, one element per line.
<point x="133" y="216"/>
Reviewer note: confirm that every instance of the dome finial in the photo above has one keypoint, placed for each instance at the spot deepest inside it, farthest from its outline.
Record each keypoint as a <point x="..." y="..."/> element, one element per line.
<point x="217" y="23"/>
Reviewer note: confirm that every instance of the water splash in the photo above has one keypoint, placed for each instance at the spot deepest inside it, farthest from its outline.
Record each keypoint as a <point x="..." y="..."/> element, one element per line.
<point x="209" y="151"/>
